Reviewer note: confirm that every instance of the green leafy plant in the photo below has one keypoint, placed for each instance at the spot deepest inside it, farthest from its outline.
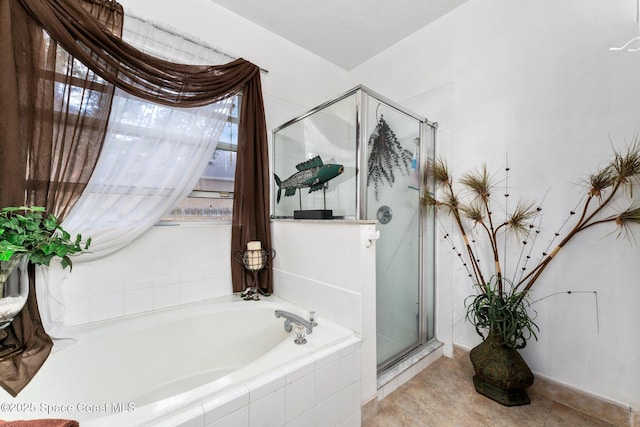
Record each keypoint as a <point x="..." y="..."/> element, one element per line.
<point x="505" y="313"/>
<point x="501" y="304"/>
<point x="29" y="230"/>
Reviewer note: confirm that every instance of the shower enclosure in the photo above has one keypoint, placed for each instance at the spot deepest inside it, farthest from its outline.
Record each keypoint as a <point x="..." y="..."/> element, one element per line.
<point x="381" y="150"/>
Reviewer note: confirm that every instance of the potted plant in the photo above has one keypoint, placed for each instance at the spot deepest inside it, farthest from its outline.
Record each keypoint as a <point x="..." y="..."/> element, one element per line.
<point x="500" y="309"/>
<point x="28" y="234"/>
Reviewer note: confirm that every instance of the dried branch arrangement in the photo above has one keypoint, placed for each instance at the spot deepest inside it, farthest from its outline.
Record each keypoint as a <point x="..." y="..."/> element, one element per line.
<point x="500" y="302"/>
<point x="385" y="154"/>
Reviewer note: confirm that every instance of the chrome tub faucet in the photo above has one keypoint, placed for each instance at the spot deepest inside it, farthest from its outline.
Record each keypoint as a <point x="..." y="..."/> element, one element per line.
<point x="294" y="318"/>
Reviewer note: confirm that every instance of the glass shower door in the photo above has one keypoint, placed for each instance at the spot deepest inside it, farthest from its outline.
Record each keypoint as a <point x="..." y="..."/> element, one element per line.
<point x="393" y="198"/>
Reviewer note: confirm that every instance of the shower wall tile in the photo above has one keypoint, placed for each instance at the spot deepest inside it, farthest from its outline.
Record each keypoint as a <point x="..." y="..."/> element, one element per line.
<point x="77" y="306"/>
<point x="268" y="411"/>
<point x="137" y="284"/>
<point x="327" y="381"/>
<point x="326" y="357"/>
<point x="103" y="301"/>
<point x="265" y="385"/>
<point x="300" y="397"/>
<point x="138" y="297"/>
<point x="166" y="281"/>
<point x="298" y="369"/>
<point x="239" y="418"/>
<point x="191" y="288"/>
<point x="337" y="304"/>
<point x="219" y="406"/>
<point x="304" y="420"/>
<point x="350" y="369"/>
<point x="327" y="412"/>
<point x="217" y="284"/>
<point x="106" y="302"/>
<point x="169" y="278"/>
<point x="165" y="294"/>
<point x="350" y="399"/>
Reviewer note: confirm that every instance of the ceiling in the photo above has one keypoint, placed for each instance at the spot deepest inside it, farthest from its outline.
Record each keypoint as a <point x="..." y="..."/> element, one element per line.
<point x="344" y="32"/>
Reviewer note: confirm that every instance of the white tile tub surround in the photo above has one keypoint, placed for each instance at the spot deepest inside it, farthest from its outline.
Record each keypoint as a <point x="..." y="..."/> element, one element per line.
<point x="329" y="267"/>
<point x="331" y="302"/>
<point x="150" y="274"/>
<point x="321" y="390"/>
<point x="94" y="303"/>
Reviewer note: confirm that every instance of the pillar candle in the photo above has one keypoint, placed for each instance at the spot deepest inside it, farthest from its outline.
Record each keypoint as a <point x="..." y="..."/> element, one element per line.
<point x="255" y="245"/>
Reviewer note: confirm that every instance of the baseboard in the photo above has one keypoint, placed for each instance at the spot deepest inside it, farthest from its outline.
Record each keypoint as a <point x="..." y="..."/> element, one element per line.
<point x="585" y="402"/>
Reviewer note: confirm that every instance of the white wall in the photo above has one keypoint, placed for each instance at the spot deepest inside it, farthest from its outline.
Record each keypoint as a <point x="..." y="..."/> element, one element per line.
<point x="537" y="81"/>
<point x="297" y="79"/>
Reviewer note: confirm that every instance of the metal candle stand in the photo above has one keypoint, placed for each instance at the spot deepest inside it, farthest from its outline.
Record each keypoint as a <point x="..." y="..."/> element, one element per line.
<point x="254" y="261"/>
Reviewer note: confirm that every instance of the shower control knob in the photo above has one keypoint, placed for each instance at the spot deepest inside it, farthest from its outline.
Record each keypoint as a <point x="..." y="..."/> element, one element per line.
<point x="384" y="214"/>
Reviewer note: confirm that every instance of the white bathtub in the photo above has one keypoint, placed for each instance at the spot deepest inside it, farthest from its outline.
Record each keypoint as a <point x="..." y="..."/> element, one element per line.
<point x="219" y="362"/>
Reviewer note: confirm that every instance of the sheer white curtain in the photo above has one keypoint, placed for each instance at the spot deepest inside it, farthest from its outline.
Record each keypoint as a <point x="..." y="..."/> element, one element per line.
<point x="152" y="157"/>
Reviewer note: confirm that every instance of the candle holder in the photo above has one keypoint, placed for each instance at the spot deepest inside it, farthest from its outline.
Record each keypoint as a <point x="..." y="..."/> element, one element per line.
<point x="254" y="259"/>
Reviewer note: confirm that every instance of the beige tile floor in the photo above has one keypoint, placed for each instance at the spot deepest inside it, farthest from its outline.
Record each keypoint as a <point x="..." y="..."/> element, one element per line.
<point x="443" y="395"/>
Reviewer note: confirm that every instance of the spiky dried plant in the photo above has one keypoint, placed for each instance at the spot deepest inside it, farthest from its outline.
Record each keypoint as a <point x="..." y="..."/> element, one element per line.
<point x="606" y="186"/>
<point x="479" y="183"/>
<point x="470" y="203"/>
<point x="473" y="202"/>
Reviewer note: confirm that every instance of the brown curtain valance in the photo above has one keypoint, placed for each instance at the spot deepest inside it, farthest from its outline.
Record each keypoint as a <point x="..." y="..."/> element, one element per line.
<point x="133" y="71"/>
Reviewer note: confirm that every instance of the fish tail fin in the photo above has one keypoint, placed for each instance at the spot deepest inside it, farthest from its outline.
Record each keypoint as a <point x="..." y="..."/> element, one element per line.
<point x="278" y="183"/>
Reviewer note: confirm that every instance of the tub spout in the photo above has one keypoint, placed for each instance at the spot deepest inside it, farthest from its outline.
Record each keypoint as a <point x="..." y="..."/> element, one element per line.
<point x="294" y="318"/>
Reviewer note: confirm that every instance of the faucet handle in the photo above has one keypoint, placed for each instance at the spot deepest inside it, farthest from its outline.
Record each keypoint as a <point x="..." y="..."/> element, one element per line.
<point x="312" y="318"/>
<point x="301" y="333"/>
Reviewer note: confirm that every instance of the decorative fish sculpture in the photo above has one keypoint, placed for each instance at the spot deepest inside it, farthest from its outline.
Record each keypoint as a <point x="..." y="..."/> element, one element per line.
<point x="312" y="173"/>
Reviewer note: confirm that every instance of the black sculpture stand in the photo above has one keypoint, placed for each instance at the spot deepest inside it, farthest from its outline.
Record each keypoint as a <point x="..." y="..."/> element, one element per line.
<point x="314" y="213"/>
<point x="254" y="291"/>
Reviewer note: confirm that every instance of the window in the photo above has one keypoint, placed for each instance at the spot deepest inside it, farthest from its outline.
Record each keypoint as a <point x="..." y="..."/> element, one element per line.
<point x="153" y="153"/>
<point x="212" y="197"/>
